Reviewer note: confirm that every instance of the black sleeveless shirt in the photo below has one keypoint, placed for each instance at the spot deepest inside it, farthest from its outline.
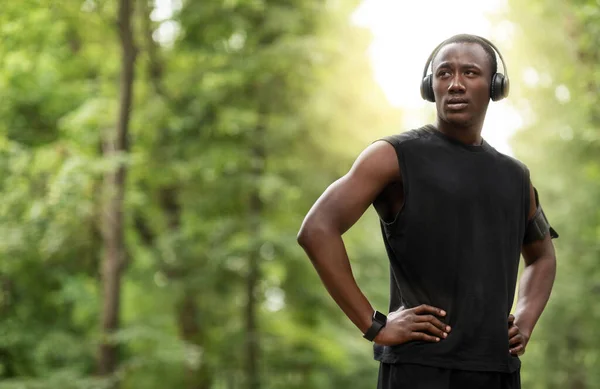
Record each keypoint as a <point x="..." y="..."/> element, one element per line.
<point x="456" y="245"/>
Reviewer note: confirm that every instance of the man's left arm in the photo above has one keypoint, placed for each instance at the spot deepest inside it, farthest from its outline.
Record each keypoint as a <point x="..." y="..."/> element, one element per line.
<point x="536" y="281"/>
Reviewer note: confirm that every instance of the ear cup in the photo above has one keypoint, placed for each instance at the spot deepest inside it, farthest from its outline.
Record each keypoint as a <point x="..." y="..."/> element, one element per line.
<point x="506" y="87"/>
<point x="427" y="88"/>
<point x="500" y="87"/>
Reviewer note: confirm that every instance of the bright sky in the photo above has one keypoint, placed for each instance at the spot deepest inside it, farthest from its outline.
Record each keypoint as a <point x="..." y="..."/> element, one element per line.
<point x="405" y="33"/>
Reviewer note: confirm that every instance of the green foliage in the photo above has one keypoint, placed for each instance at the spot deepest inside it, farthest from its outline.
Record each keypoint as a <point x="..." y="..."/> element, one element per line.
<point x="240" y="120"/>
<point x="561" y="145"/>
<point x="248" y="101"/>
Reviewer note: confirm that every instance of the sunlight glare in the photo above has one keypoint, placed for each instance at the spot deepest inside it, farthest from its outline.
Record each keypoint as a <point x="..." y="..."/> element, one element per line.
<point x="405" y="33"/>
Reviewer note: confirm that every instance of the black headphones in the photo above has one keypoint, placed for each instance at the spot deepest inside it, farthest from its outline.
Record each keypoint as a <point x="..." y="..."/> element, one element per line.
<point x="499" y="87"/>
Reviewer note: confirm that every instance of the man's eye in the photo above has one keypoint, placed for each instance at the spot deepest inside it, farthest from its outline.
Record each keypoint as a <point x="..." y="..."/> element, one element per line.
<point x="443" y="73"/>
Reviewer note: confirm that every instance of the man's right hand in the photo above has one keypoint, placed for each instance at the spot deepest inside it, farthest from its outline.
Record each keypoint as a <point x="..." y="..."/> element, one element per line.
<point x="419" y="323"/>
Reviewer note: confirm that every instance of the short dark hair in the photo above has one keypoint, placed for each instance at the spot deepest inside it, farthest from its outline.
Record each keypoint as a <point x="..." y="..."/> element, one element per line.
<point x="466" y="38"/>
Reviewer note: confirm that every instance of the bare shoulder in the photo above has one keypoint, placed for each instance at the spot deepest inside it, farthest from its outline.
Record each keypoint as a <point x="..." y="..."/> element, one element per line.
<point x="379" y="161"/>
<point x="381" y="158"/>
<point x="384" y="154"/>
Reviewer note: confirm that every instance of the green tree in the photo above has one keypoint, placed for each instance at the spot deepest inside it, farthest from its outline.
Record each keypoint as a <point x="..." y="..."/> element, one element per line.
<point x="555" y="51"/>
<point x="238" y="123"/>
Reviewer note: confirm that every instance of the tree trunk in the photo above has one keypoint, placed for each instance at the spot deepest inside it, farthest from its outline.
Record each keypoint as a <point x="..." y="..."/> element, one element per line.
<point x="155" y="65"/>
<point x="6" y="303"/>
<point x="256" y="207"/>
<point x="114" y="192"/>
<point x="187" y="309"/>
<point x="197" y="377"/>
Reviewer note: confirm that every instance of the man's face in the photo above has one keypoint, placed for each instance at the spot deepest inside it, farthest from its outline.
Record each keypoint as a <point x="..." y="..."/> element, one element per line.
<point x="461" y="83"/>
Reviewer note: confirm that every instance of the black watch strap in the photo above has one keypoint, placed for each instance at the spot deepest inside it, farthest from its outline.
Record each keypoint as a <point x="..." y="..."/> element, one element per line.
<point x="379" y="321"/>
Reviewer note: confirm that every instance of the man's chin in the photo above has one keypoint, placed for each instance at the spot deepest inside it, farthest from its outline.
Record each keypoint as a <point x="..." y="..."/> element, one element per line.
<point x="459" y="119"/>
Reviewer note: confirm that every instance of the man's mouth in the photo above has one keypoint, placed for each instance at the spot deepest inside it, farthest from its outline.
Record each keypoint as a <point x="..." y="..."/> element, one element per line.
<point x="456" y="104"/>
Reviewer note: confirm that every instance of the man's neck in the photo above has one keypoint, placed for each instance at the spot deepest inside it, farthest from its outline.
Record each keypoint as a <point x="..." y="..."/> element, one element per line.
<point x="469" y="135"/>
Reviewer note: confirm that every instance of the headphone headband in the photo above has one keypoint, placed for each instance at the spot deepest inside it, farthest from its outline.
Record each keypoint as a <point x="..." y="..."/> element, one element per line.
<point x="438" y="47"/>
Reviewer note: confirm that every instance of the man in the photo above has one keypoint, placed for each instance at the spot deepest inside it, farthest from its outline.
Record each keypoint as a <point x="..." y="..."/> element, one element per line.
<point x="455" y="216"/>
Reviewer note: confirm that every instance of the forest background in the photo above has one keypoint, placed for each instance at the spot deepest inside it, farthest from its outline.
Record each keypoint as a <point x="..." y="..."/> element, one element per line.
<point x="155" y="168"/>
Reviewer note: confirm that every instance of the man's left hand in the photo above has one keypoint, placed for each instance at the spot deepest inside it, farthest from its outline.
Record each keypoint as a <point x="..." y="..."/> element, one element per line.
<point x="516" y="339"/>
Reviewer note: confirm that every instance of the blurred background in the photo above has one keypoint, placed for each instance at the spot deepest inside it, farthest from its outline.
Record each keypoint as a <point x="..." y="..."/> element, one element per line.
<point x="158" y="156"/>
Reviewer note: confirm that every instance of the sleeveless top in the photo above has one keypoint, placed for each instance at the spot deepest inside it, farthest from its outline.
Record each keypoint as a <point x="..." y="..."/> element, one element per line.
<point x="456" y="245"/>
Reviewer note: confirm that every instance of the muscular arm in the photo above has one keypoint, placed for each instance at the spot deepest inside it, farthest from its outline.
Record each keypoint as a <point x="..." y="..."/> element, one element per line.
<point x="338" y="208"/>
<point x="537" y="279"/>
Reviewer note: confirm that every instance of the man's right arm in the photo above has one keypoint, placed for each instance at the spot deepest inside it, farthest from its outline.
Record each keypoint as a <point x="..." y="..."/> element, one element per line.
<point x="338" y="209"/>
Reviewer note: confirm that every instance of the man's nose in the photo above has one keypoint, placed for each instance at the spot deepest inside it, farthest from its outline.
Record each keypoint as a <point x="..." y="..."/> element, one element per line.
<point x="456" y="84"/>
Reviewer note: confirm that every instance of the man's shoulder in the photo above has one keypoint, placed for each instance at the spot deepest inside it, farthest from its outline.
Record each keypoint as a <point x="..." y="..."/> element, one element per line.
<point x="512" y="162"/>
<point x="405" y="137"/>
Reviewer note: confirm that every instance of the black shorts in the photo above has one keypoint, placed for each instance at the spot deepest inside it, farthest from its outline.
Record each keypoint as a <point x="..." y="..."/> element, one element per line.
<point x="404" y="375"/>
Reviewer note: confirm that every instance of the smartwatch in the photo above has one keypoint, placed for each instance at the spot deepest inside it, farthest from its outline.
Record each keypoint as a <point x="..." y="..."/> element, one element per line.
<point x="379" y="321"/>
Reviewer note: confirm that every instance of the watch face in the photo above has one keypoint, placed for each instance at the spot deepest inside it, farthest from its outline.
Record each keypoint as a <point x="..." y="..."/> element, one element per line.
<point x="380" y="317"/>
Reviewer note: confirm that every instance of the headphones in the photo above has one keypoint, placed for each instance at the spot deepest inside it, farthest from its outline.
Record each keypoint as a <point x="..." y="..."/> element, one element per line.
<point x="499" y="87"/>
